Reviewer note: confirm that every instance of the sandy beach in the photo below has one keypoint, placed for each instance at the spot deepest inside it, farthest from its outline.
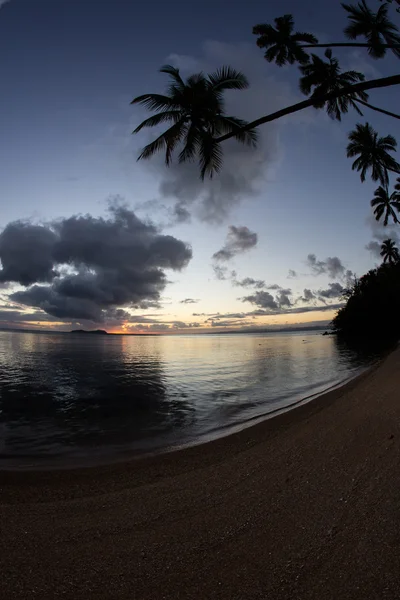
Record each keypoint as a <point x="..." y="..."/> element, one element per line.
<point x="302" y="506"/>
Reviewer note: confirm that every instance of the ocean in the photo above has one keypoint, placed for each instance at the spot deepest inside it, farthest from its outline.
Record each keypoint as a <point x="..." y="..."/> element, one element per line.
<point x="76" y="398"/>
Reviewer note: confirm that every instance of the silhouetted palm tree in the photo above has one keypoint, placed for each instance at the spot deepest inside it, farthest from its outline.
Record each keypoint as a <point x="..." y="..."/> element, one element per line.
<point x="389" y="251"/>
<point x="372" y="153"/>
<point x="375" y="27"/>
<point x="397" y="186"/>
<point x="195" y="108"/>
<point x="386" y="205"/>
<point x="324" y="77"/>
<point x="283" y="46"/>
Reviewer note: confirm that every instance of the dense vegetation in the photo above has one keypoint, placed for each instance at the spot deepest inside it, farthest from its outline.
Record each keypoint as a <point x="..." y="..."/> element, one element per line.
<point x="373" y="300"/>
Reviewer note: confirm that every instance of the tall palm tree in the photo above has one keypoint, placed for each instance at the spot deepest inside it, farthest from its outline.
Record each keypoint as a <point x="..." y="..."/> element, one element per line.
<point x="324" y="77"/>
<point x="386" y="205"/>
<point x="389" y="251"/>
<point x="283" y="46"/>
<point x="375" y="27"/>
<point x="397" y="186"/>
<point x="196" y="109"/>
<point x="372" y="153"/>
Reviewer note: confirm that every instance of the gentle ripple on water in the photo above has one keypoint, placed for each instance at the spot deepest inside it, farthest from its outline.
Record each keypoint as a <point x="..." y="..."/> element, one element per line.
<point x="81" y="396"/>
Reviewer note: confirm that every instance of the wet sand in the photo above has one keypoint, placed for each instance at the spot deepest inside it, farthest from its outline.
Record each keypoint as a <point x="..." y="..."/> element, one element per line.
<point x="305" y="505"/>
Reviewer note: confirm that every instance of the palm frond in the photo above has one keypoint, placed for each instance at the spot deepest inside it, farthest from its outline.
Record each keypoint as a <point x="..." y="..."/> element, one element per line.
<point x="227" y="78"/>
<point x="229" y="123"/>
<point x="162" y="117"/>
<point x="191" y="145"/>
<point x="155" y="102"/>
<point x="305" y="38"/>
<point x="167" y="140"/>
<point x="210" y="153"/>
<point x="174" y="73"/>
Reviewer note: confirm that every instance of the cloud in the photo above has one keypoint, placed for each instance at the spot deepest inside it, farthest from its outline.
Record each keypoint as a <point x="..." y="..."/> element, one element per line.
<point x="334" y="290"/>
<point x="301" y="309"/>
<point x="3" y="2"/>
<point x="380" y="233"/>
<point x="308" y="296"/>
<point x="283" y="298"/>
<point x="374" y="248"/>
<point x="26" y="253"/>
<point x="223" y="273"/>
<point x="262" y="299"/>
<point x="239" y="240"/>
<point x="216" y="316"/>
<point x="245" y="170"/>
<point x="249" y="282"/>
<point x="291" y="274"/>
<point x="189" y="301"/>
<point x="92" y="265"/>
<point x="332" y="266"/>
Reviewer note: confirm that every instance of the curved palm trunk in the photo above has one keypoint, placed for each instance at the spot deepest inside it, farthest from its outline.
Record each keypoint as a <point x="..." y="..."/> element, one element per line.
<point x="364" y="85"/>
<point x="349" y="45"/>
<point x="381" y="110"/>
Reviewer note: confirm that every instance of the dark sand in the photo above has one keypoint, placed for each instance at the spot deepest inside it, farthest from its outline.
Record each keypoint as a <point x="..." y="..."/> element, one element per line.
<point x="306" y="505"/>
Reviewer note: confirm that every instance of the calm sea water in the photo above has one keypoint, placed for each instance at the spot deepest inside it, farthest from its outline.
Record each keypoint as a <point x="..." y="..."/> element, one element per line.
<point x="81" y="397"/>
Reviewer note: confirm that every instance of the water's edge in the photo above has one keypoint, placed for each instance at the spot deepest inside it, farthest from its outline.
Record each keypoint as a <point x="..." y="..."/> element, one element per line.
<point x="65" y="463"/>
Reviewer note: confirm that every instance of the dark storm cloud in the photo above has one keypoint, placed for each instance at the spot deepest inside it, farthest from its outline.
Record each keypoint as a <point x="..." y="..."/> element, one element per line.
<point x="113" y="262"/>
<point x="238" y="240"/>
<point x="26" y="253"/>
<point x="332" y="266"/>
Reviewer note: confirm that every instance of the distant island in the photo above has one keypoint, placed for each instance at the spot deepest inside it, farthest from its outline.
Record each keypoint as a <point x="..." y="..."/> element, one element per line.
<point x="95" y="331"/>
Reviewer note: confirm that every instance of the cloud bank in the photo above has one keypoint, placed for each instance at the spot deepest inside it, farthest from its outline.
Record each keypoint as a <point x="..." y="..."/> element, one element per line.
<point x="87" y="268"/>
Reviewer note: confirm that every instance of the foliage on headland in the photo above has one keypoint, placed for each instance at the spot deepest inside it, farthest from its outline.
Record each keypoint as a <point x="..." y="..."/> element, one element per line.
<point x="373" y="300"/>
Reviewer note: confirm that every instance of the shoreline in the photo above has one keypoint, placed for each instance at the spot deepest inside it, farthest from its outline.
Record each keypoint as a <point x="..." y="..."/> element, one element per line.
<point x="124" y="457"/>
<point x="302" y="505"/>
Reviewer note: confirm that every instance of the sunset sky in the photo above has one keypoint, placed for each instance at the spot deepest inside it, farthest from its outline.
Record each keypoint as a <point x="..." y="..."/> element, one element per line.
<point x="91" y="238"/>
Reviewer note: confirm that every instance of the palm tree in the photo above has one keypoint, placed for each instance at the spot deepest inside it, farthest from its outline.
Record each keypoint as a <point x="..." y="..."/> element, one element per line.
<point x="397" y="186"/>
<point x="372" y="153"/>
<point x="375" y="27"/>
<point x="283" y="46"/>
<point x="386" y="205"/>
<point x="326" y="77"/>
<point x="195" y="108"/>
<point x="389" y="252"/>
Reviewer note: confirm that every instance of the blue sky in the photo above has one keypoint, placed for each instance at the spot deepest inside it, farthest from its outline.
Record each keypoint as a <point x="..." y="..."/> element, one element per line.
<point x="69" y="70"/>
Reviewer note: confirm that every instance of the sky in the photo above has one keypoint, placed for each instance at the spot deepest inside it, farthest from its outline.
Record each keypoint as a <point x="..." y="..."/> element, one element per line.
<point x="91" y="238"/>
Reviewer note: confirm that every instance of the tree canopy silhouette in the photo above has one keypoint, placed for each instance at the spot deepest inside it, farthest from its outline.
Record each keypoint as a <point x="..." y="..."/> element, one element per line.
<point x="386" y="205"/>
<point x="372" y="301"/>
<point x="372" y="153"/>
<point x="389" y="251"/>
<point x="196" y="110"/>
